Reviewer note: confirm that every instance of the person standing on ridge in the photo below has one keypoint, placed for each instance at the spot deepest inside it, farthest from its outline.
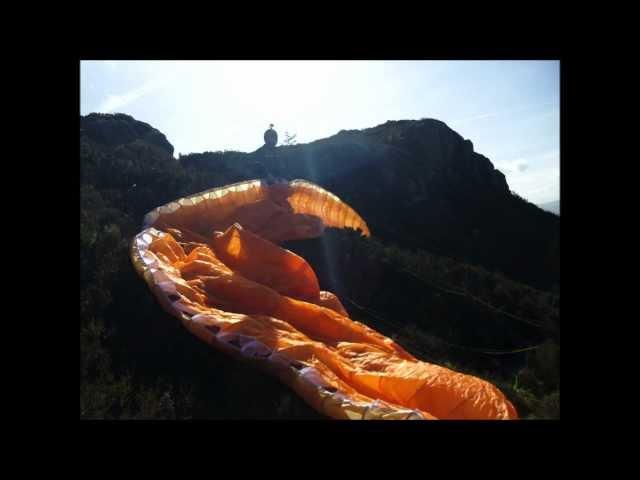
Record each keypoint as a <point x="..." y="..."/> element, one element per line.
<point x="270" y="141"/>
<point x="270" y="137"/>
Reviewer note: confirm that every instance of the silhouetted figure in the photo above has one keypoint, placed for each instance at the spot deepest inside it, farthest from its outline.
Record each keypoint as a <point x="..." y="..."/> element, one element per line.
<point x="257" y="170"/>
<point x="270" y="137"/>
<point x="269" y="148"/>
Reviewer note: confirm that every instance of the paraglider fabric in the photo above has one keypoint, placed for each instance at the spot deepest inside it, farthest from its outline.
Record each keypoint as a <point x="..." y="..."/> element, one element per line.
<point x="213" y="261"/>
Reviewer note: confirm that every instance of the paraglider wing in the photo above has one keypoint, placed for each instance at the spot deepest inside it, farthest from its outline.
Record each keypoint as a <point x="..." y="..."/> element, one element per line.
<point x="275" y="211"/>
<point x="308" y="198"/>
<point x="212" y="261"/>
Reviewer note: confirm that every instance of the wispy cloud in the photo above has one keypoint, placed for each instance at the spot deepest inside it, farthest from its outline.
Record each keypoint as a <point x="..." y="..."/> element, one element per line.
<point x="114" y="102"/>
<point x="512" y="166"/>
<point x="510" y="112"/>
<point x="475" y="117"/>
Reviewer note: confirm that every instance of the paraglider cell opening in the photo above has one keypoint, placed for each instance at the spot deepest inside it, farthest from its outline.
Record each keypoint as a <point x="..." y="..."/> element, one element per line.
<point x="213" y="329"/>
<point x="235" y="342"/>
<point x="297" y="365"/>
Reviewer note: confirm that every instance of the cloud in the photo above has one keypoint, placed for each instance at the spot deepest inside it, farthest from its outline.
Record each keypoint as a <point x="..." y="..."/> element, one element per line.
<point x="476" y="117"/>
<point x="536" y="178"/>
<point x="538" y="185"/>
<point x="502" y="113"/>
<point x="512" y="166"/>
<point x="115" y="102"/>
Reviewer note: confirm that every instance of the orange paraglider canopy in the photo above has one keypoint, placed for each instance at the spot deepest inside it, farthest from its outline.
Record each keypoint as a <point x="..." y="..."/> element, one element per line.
<point x="212" y="260"/>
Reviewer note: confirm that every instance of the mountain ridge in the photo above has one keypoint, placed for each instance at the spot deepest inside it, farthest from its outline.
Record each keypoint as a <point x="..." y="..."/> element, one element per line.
<point x="418" y="183"/>
<point x="137" y="362"/>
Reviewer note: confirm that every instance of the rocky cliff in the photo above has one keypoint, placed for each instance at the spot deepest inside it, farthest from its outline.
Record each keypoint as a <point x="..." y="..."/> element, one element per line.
<point x="418" y="184"/>
<point x="112" y="130"/>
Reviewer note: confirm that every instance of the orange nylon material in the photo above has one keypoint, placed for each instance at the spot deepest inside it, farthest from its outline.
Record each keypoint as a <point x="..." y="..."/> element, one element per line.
<point x="248" y="297"/>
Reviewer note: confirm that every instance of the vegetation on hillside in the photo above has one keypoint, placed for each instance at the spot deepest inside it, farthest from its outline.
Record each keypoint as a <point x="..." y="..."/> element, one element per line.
<point x="136" y="361"/>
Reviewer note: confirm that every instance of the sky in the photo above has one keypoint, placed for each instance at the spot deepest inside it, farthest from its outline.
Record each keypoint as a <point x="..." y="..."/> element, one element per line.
<point x="510" y="110"/>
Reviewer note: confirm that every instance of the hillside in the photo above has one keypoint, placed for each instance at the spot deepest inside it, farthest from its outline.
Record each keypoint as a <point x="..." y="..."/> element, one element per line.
<point x="419" y="184"/>
<point x="136" y="360"/>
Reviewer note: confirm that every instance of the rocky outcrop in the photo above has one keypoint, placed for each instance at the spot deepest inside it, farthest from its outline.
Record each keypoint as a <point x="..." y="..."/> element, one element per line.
<point x="421" y="185"/>
<point x="113" y="130"/>
<point x="413" y="152"/>
<point x="417" y="183"/>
